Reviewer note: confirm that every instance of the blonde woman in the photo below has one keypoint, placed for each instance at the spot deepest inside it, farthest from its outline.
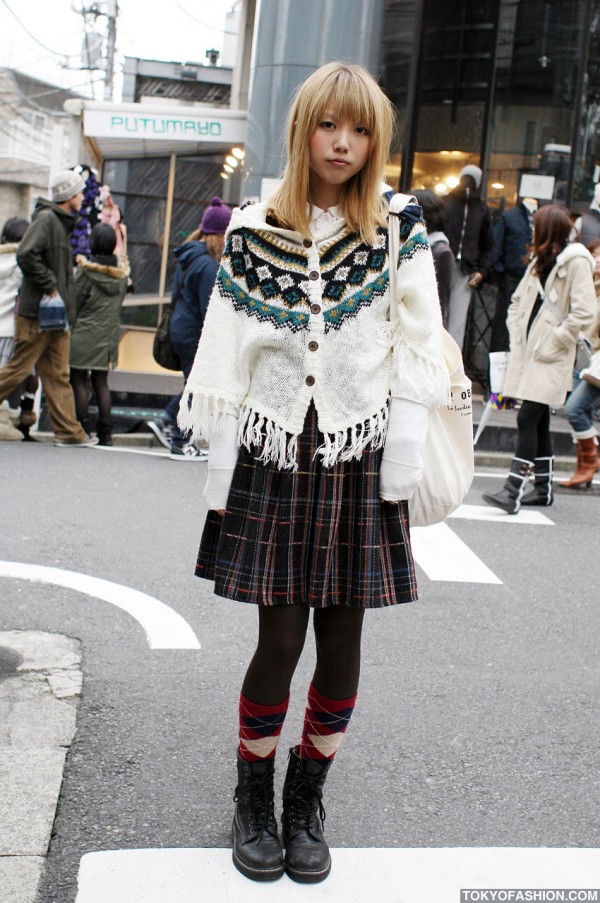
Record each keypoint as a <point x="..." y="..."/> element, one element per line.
<point x="292" y="384"/>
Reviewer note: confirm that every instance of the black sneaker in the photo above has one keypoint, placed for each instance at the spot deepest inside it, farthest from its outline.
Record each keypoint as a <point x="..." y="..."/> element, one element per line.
<point x="188" y="453"/>
<point x="162" y="431"/>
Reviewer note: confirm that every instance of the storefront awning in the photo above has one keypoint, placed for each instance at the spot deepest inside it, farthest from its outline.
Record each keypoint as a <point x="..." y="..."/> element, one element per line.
<point x="124" y="131"/>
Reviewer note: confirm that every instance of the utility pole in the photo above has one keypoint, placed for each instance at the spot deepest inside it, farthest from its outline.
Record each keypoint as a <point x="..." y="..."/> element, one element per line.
<point x="111" y="41"/>
<point x="100" y="50"/>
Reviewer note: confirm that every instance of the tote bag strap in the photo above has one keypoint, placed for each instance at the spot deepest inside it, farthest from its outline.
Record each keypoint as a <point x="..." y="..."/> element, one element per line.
<point x="402" y="207"/>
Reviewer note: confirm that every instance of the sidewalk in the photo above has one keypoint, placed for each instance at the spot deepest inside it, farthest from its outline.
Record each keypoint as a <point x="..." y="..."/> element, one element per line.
<point x="495" y="447"/>
<point x="40" y="685"/>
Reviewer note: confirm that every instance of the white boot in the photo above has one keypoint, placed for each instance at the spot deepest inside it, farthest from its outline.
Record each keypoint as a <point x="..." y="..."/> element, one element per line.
<point x="8" y="432"/>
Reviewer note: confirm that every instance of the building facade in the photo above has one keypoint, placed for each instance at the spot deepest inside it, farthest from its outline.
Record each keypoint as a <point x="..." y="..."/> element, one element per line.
<point x="510" y="85"/>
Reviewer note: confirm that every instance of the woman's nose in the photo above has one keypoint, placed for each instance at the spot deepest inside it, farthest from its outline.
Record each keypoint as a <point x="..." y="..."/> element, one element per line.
<point x="341" y="139"/>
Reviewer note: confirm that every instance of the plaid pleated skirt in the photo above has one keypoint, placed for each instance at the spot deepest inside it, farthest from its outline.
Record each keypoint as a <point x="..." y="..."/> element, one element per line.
<point x="317" y="536"/>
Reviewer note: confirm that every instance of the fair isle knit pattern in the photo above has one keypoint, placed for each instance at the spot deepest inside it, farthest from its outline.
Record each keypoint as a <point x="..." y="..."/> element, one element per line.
<point x="292" y="321"/>
<point x="260" y="727"/>
<point x="325" y="723"/>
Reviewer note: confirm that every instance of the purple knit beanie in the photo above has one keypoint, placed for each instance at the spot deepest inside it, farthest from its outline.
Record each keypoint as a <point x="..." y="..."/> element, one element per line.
<point x="216" y="218"/>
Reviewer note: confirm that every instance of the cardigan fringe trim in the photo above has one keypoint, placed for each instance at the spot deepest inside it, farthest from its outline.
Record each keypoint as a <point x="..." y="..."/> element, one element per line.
<point x="257" y="432"/>
<point x="199" y="415"/>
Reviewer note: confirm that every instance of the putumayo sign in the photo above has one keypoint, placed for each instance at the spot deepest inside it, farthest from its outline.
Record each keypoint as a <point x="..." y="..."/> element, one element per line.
<point x="164" y="126"/>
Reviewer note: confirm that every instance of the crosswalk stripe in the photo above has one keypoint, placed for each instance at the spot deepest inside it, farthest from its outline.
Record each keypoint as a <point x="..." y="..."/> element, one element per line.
<point x="497" y="516"/>
<point x="444" y="556"/>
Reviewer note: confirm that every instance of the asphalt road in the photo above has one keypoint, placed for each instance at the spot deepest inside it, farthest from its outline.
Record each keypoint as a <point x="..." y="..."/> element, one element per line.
<point x="477" y="722"/>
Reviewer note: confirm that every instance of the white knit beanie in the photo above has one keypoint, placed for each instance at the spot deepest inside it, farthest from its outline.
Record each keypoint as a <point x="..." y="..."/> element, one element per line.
<point x="473" y="171"/>
<point x="65" y="185"/>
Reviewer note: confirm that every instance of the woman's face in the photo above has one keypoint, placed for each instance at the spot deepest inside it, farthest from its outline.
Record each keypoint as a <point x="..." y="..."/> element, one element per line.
<point x="338" y="149"/>
<point x="596" y="256"/>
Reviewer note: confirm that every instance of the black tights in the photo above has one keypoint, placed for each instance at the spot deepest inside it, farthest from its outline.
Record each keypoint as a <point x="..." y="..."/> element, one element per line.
<point x="281" y="636"/>
<point x="79" y="382"/>
<point x="533" y="421"/>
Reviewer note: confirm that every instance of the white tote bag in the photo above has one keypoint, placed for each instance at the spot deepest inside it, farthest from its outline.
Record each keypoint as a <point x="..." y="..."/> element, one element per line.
<point x="448" y="459"/>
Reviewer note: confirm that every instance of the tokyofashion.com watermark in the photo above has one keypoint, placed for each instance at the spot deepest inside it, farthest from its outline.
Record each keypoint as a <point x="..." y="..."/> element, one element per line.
<point x="530" y="895"/>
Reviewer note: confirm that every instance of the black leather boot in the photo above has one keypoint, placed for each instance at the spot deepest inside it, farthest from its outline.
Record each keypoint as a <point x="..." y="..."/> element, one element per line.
<point x="307" y="857"/>
<point x="104" y="432"/>
<point x="541" y="494"/>
<point x="257" y="852"/>
<point x="509" y="498"/>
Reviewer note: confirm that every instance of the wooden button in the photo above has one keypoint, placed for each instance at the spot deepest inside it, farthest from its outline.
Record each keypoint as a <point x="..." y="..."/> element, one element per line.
<point x="312" y="346"/>
<point x="315" y="308"/>
<point x="313" y="275"/>
<point x="310" y="380"/>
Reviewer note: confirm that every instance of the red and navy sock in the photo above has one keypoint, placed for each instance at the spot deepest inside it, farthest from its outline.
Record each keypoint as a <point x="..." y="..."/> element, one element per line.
<point x="325" y="723"/>
<point x="260" y="727"/>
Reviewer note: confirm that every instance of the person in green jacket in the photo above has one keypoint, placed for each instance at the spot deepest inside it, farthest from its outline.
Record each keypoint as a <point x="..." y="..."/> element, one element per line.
<point x="100" y="286"/>
<point x="44" y="256"/>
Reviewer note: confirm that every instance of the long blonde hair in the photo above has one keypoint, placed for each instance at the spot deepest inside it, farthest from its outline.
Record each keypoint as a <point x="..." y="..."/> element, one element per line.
<point x="343" y="90"/>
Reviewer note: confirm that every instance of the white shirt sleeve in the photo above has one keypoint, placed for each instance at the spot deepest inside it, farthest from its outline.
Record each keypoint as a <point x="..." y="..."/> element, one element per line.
<point x="402" y="463"/>
<point x="222" y="458"/>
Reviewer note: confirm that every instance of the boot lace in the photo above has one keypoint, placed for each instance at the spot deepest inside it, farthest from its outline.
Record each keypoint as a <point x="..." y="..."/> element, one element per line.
<point x="303" y="794"/>
<point x="258" y="796"/>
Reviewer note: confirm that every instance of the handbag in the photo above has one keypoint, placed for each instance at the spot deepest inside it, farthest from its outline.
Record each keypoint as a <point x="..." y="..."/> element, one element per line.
<point x="448" y="458"/>
<point x="162" y="350"/>
<point x="591" y="374"/>
<point x="583" y="354"/>
<point x="583" y="350"/>
<point x="52" y="314"/>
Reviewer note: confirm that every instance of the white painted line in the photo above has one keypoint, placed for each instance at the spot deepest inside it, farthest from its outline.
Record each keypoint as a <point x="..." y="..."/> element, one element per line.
<point x="164" y="628"/>
<point x="120" y="449"/>
<point x="498" y="516"/>
<point x="433" y="875"/>
<point x="444" y="556"/>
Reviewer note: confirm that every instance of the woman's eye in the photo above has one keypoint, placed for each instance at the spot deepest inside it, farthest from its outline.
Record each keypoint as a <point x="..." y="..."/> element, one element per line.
<point x="362" y="130"/>
<point x="327" y="124"/>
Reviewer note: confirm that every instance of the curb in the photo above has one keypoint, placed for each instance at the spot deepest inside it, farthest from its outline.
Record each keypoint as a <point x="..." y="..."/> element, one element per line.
<point x="40" y="686"/>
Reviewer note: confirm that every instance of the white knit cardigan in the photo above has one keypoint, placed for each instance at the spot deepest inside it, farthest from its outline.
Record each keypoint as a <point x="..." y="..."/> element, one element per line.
<point x="292" y="321"/>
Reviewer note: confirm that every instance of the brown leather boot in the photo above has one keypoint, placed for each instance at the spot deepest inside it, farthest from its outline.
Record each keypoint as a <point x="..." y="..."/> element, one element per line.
<point x="587" y="465"/>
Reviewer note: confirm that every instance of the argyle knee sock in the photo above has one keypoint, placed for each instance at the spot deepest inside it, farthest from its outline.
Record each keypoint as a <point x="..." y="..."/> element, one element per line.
<point x="260" y="727"/>
<point x="325" y="723"/>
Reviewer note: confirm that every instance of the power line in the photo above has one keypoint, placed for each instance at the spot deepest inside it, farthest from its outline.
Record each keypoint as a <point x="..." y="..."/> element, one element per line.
<point x="33" y="37"/>
<point x="204" y="24"/>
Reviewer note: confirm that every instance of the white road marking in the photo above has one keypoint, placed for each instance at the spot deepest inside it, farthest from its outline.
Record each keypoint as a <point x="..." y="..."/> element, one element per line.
<point x="164" y="628"/>
<point x="120" y="449"/>
<point x="444" y="556"/>
<point x="498" y="516"/>
<point x="417" y="875"/>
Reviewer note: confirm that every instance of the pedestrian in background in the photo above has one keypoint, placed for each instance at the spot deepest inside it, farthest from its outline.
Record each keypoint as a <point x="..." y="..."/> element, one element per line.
<point x="554" y="301"/>
<point x="581" y="403"/>
<point x="100" y="286"/>
<point x="513" y="234"/>
<point x="468" y="225"/>
<point x="291" y="383"/>
<point x="443" y="259"/>
<point x="44" y="256"/>
<point x="197" y="264"/>
<point x="10" y="281"/>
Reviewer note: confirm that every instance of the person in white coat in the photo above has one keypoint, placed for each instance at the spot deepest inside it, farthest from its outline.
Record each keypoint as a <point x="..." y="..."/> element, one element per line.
<point x="13" y="231"/>
<point x="552" y="304"/>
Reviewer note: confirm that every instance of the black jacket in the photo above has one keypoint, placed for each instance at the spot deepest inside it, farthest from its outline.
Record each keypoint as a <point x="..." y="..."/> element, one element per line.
<point x="512" y="236"/>
<point x="477" y="245"/>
